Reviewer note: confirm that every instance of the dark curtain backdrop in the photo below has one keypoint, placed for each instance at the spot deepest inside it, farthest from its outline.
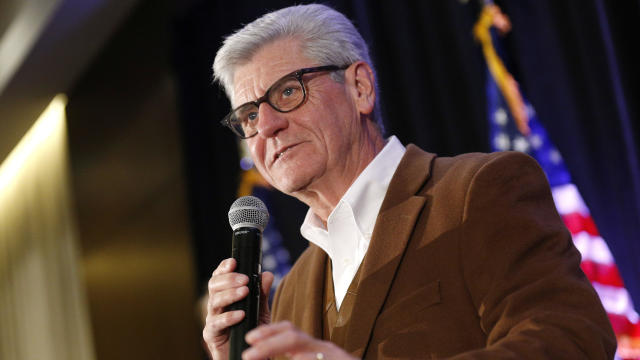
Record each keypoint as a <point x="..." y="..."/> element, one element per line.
<point x="575" y="60"/>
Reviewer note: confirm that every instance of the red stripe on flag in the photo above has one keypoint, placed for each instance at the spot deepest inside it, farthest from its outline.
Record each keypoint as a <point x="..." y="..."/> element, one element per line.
<point x="604" y="274"/>
<point x="628" y="335"/>
<point x="577" y="222"/>
<point x="623" y="326"/>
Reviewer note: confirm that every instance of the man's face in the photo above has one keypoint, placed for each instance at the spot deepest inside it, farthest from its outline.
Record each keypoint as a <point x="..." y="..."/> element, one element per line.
<point x="309" y="147"/>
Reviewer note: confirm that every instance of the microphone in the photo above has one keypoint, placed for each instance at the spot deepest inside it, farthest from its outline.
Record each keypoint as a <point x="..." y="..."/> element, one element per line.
<point x="248" y="216"/>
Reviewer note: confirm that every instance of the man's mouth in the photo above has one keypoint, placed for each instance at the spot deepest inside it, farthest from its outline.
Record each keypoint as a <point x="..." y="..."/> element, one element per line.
<point x="281" y="152"/>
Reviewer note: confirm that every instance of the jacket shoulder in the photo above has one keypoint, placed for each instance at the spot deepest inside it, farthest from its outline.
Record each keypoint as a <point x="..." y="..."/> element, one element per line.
<point x="459" y="171"/>
<point x="472" y="162"/>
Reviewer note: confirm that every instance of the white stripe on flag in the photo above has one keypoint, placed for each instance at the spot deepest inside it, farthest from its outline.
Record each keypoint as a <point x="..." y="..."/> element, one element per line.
<point x="568" y="200"/>
<point x="593" y="248"/>
<point x="616" y="300"/>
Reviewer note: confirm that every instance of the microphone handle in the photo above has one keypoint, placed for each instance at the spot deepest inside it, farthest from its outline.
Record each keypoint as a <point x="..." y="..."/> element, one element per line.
<point x="246" y="248"/>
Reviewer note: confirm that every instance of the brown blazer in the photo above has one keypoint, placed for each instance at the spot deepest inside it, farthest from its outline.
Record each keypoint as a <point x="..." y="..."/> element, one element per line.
<point x="468" y="260"/>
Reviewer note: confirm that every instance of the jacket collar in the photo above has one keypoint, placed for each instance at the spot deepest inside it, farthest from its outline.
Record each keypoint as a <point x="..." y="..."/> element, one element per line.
<point x="394" y="226"/>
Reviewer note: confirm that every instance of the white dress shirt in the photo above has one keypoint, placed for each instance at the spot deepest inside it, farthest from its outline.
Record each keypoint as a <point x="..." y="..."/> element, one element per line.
<point x="350" y="225"/>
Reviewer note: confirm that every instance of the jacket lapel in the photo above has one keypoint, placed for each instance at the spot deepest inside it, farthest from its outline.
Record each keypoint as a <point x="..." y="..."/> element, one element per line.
<point x="394" y="225"/>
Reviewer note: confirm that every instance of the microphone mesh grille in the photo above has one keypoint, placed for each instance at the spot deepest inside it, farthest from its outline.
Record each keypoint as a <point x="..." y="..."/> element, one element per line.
<point x="248" y="211"/>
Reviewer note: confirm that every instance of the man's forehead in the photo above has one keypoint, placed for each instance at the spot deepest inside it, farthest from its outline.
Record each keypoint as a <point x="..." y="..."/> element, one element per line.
<point x="254" y="78"/>
<point x="269" y="64"/>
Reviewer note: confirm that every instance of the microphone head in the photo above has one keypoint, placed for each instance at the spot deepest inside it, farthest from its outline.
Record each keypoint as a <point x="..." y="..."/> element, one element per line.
<point x="248" y="211"/>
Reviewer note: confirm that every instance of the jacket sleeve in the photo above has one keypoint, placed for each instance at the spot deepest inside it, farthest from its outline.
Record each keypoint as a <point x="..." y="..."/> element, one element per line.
<point x="523" y="271"/>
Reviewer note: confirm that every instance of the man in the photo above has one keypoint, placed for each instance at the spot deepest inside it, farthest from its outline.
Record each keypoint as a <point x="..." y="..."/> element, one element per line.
<point x="411" y="255"/>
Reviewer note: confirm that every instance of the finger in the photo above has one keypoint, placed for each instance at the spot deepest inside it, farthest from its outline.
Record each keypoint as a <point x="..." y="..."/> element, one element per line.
<point x="217" y="324"/>
<point x="222" y="282"/>
<point x="222" y="299"/>
<point x="288" y="342"/>
<point x="265" y="331"/>
<point x="225" y="266"/>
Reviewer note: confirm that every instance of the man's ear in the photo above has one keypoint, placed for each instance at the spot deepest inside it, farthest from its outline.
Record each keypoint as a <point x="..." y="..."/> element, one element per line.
<point x="364" y="91"/>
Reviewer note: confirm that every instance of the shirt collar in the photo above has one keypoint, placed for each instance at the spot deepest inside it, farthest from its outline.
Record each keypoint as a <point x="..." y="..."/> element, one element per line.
<point x="364" y="197"/>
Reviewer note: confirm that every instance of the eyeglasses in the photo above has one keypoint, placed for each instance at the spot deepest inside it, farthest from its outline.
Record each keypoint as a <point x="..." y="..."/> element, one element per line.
<point x="285" y="95"/>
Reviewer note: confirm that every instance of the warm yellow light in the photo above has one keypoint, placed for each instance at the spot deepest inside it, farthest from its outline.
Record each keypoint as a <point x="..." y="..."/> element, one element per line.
<point x="43" y="312"/>
<point x="50" y="122"/>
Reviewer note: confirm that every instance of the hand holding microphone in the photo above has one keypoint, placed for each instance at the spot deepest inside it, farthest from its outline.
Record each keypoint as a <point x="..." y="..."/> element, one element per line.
<point x="238" y="300"/>
<point x="238" y="292"/>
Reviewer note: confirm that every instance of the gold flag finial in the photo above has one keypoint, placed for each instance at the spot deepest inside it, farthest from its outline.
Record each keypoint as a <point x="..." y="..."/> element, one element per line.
<point x="491" y="15"/>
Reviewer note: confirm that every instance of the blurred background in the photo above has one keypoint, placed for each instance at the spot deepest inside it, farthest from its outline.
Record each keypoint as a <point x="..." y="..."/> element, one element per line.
<point x="116" y="175"/>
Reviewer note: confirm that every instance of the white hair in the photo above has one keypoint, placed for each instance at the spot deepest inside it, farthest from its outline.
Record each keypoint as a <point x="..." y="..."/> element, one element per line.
<point x="326" y="36"/>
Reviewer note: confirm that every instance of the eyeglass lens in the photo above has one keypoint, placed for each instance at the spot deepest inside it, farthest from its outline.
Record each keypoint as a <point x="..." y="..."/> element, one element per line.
<point x="285" y="95"/>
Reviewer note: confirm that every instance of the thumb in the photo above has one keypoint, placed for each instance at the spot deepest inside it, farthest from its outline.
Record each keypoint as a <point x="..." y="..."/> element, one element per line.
<point x="265" y="313"/>
<point x="267" y="280"/>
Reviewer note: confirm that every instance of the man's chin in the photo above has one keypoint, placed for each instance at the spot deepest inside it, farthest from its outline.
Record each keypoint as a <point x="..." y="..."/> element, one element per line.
<point x="293" y="188"/>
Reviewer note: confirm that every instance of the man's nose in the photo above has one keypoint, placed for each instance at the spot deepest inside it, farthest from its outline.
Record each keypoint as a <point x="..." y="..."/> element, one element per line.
<point x="270" y="121"/>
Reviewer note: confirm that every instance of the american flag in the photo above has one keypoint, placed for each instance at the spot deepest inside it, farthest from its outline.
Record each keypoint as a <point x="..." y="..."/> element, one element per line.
<point x="275" y="256"/>
<point x="598" y="264"/>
